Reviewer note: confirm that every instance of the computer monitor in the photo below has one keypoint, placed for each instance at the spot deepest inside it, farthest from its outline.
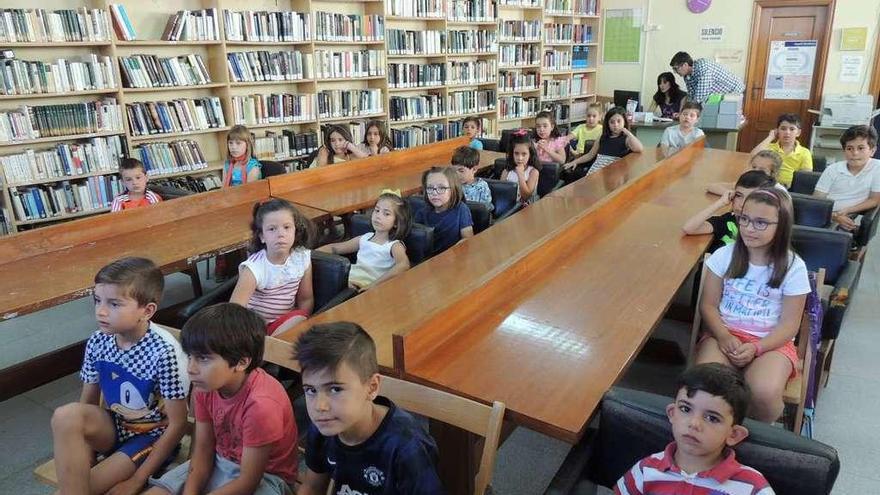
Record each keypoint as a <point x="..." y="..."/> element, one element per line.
<point x="621" y="96"/>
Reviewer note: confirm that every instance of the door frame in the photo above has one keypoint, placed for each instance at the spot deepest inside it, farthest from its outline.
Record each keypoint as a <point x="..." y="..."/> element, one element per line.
<point x="874" y="86"/>
<point x="821" y="56"/>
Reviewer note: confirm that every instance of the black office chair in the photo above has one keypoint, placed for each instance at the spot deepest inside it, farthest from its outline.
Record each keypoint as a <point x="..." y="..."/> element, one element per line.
<point x="804" y="182"/>
<point x="270" y="168"/>
<point x="168" y="192"/>
<point x="329" y="285"/>
<point x="634" y="425"/>
<point x="490" y="144"/>
<point x="419" y="243"/>
<point x="819" y="164"/>
<point x="503" y="197"/>
<point x="548" y="179"/>
<point x="867" y="227"/>
<point x="481" y="216"/>
<point x="810" y="211"/>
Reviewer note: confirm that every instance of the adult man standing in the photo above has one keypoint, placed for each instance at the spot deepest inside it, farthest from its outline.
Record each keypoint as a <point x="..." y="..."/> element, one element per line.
<point x="704" y="77"/>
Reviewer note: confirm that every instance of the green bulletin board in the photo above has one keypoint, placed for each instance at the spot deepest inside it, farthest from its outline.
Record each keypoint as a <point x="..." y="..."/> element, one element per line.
<point x="622" y="41"/>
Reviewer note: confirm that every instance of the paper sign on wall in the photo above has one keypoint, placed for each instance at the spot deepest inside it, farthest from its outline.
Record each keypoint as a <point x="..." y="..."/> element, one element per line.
<point x="712" y="33"/>
<point x="851" y="68"/>
<point x="853" y="39"/>
<point x="790" y="70"/>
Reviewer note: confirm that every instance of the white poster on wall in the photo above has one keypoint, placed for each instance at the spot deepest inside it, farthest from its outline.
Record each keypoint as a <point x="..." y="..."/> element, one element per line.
<point x="712" y="34"/>
<point x="790" y="70"/>
<point x="851" y="68"/>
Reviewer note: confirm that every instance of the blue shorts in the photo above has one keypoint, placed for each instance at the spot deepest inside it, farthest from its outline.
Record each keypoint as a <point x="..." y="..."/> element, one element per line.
<point x="137" y="446"/>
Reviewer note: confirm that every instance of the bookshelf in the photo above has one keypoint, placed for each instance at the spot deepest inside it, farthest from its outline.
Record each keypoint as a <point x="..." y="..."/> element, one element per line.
<point x="356" y="60"/>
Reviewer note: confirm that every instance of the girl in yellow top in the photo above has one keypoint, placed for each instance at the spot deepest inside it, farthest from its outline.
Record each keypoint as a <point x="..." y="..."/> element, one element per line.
<point x="783" y="141"/>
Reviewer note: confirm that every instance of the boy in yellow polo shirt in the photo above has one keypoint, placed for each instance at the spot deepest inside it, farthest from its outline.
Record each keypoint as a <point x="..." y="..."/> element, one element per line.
<point x="589" y="131"/>
<point x="783" y="140"/>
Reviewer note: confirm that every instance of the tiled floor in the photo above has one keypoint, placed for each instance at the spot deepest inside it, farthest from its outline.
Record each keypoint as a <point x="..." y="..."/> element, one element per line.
<point x="847" y="414"/>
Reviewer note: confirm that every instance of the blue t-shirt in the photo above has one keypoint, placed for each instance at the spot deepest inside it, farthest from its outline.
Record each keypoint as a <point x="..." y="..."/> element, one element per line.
<point x="400" y="458"/>
<point x="447" y="224"/>
<point x="237" y="179"/>
<point x="476" y="144"/>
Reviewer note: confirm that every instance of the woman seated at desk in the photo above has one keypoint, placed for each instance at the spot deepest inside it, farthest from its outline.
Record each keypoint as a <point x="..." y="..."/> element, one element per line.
<point x="669" y="98"/>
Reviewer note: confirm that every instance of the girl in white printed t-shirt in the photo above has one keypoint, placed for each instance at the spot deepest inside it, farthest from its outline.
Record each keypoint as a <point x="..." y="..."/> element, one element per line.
<point x="753" y="300"/>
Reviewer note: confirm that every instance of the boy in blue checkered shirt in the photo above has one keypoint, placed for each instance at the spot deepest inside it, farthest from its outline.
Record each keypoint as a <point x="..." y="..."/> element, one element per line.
<point x="362" y="442"/>
<point x="140" y="370"/>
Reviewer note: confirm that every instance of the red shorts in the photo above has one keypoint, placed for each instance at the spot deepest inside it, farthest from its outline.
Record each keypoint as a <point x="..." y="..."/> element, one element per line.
<point x="788" y="350"/>
<point x="272" y="327"/>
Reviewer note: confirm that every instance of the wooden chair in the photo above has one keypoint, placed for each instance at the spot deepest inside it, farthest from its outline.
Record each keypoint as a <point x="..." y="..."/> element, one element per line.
<point x="795" y="394"/>
<point x="479" y="419"/>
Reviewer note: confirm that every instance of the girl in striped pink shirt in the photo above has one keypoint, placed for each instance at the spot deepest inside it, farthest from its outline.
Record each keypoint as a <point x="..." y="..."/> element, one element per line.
<point x="276" y="280"/>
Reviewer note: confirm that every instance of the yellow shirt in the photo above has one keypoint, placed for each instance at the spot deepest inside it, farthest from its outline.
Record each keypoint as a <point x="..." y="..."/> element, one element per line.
<point x="799" y="159"/>
<point x="583" y="135"/>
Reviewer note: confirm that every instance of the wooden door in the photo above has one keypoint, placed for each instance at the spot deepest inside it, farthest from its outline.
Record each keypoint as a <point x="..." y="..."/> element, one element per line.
<point x="783" y="20"/>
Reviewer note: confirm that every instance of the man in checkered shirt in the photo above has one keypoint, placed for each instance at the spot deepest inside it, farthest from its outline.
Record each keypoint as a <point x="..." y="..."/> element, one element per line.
<point x="704" y="77"/>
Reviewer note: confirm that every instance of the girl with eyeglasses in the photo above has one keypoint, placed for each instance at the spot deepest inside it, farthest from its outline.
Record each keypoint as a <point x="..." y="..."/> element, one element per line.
<point x="753" y="299"/>
<point x="446" y="210"/>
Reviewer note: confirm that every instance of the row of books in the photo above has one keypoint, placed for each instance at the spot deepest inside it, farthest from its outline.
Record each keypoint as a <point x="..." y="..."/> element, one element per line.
<point x="153" y="71"/>
<point x="171" y="157"/>
<point x="471" y="101"/>
<point x="333" y="103"/>
<point x="122" y="23"/>
<point x="557" y="6"/>
<point x="519" y="31"/>
<point x="285" y="145"/>
<point x="415" y="8"/>
<point x="519" y="55"/>
<point x="472" y="41"/>
<point x="560" y="112"/>
<point x="580" y="85"/>
<point x="25" y="77"/>
<point x="64" y="198"/>
<point x="346" y="64"/>
<point x="517" y="81"/>
<point x="43" y="26"/>
<point x="555" y="88"/>
<point x="558" y="33"/>
<point x="273" y="108"/>
<point x="520" y="3"/>
<point x="249" y="25"/>
<point x="408" y="42"/>
<point x="516" y="106"/>
<point x="582" y="33"/>
<point x="193" y="25"/>
<point x="179" y="115"/>
<point x="585" y="7"/>
<point x="417" y="135"/>
<point x="100" y="154"/>
<point x="357" y="129"/>
<point x="580" y="57"/>
<point x="196" y="184"/>
<point x="33" y="122"/>
<point x="416" y="75"/>
<point x="330" y="26"/>
<point x="269" y="66"/>
<point x="427" y="106"/>
<point x="557" y="60"/>
<point x="471" y="72"/>
<point x="470" y="10"/>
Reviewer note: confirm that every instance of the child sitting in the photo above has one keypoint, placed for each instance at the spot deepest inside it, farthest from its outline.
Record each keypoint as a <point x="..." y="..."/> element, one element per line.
<point x="241" y="166"/>
<point x="678" y="136"/>
<point x="724" y="227"/>
<point x="706" y="420"/>
<point x="616" y="141"/>
<point x="589" y="131"/>
<point x="523" y="168"/>
<point x="134" y="178"/>
<point x="766" y="161"/>
<point x="140" y="370"/>
<point x="276" y="280"/>
<point x="380" y="254"/>
<point x="783" y="141"/>
<point x="376" y="140"/>
<point x="753" y="300"/>
<point x="359" y="441"/>
<point x="338" y="147"/>
<point x="446" y="211"/>
<point x="548" y="140"/>
<point x="245" y="436"/>
<point x="473" y="128"/>
<point x="854" y="184"/>
<point x="465" y="160"/>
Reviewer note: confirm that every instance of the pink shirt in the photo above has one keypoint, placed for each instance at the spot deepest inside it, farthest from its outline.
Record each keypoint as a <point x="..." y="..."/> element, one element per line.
<point x="259" y="414"/>
<point x="555" y="144"/>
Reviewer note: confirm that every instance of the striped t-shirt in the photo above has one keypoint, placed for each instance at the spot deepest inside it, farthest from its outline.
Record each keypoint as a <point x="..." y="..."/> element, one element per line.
<point x="658" y="475"/>
<point x="122" y="202"/>
<point x="276" y="284"/>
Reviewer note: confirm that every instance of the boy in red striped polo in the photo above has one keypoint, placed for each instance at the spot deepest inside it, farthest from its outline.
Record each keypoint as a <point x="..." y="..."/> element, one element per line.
<point x="706" y="422"/>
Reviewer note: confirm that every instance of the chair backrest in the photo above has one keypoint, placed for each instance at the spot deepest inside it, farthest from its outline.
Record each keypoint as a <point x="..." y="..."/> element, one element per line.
<point x="810" y="211"/>
<point x="804" y="182"/>
<point x="329" y="276"/>
<point x="819" y="163"/>
<point x="867" y="227"/>
<point x="167" y="192"/>
<point x="419" y="242"/>
<point x="633" y="425"/>
<point x="503" y="196"/>
<point x="490" y="144"/>
<point x="481" y="215"/>
<point x="271" y="168"/>
<point x="548" y="178"/>
<point x="498" y="167"/>
<point x="479" y="419"/>
<point x="822" y="248"/>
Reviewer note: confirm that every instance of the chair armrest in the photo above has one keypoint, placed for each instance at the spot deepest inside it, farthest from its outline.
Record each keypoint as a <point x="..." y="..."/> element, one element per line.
<point x="218" y="294"/>
<point x="867" y="227"/>
<point x="508" y="213"/>
<point x="571" y="478"/>
<point x="338" y="299"/>
<point x="838" y="301"/>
